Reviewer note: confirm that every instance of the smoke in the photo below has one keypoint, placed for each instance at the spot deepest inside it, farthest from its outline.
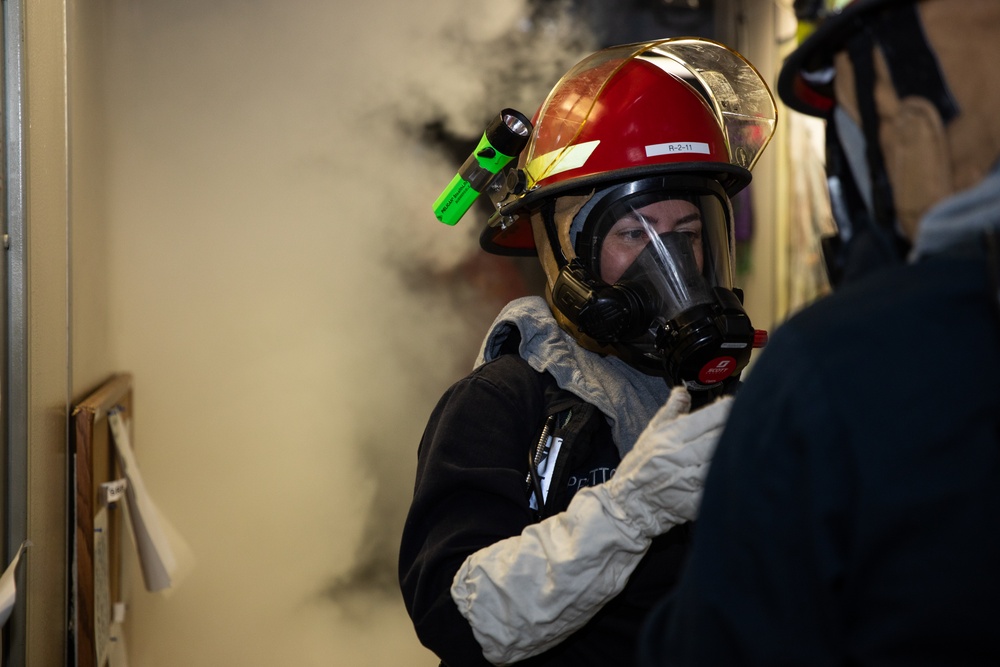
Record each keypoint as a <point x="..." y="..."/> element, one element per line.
<point x="286" y="301"/>
<point x="512" y="67"/>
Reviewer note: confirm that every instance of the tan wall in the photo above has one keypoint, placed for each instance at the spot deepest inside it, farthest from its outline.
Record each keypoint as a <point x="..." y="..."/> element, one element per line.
<point x="47" y="215"/>
<point x="87" y="26"/>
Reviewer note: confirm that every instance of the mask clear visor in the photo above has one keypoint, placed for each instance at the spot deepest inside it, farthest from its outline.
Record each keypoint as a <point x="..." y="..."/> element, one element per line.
<point x="667" y="271"/>
<point x="624" y="225"/>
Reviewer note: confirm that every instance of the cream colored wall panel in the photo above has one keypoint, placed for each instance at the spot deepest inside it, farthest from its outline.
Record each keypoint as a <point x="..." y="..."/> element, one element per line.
<point x="47" y="307"/>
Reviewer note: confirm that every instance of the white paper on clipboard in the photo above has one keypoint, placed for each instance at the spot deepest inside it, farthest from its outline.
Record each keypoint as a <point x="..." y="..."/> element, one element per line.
<point x="8" y="588"/>
<point x="162" y="552"/>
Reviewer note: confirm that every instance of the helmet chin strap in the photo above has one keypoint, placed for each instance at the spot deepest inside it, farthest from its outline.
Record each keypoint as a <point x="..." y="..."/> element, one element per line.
<point x="862" y="54"/>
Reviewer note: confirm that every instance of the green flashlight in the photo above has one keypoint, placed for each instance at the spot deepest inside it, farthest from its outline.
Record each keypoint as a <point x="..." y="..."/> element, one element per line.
<point x="502" y="141"/>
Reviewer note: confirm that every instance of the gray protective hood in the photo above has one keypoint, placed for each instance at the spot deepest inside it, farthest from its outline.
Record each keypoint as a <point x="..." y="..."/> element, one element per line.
<point x="627" y="397"/>
<point x="960" y="219"/>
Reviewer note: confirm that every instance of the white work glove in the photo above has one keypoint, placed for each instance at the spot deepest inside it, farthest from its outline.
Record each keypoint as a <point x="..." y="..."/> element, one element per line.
<point x="658" y="484"/>
<point x="525" y="594"/>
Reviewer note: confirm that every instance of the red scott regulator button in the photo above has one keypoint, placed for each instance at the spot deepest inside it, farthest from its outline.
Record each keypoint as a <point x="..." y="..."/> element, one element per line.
<point x="717" y="370"/>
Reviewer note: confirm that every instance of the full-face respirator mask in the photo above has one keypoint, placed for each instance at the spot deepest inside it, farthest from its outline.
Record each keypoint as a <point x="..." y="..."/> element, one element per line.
<point x="652" y="280"/>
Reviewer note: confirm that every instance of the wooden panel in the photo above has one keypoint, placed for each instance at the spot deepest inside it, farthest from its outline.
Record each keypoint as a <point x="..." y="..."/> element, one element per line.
<point x="95" y="463"/>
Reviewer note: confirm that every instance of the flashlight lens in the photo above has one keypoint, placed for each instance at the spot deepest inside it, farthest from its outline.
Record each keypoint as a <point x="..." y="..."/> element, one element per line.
<point x="515" y="124"/>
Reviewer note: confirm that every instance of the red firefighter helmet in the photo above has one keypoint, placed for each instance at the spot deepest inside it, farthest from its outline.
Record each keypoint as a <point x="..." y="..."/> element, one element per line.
<point x="680" y="105"/>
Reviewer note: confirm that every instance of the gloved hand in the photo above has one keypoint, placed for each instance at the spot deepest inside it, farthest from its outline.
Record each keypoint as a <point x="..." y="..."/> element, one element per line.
<point x="525" y="594"/>
<point x="658" y="483"/>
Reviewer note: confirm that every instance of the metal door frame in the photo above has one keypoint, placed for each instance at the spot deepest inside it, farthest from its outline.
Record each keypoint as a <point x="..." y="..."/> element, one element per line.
<point x="14" y="331"/>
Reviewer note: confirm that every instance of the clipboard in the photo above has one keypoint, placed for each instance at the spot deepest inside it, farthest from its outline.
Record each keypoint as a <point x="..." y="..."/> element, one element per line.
<point x="98" y="527"/>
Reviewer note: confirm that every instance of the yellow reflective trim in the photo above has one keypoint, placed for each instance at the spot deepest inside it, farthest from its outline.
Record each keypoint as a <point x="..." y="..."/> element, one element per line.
<point x="558" y="161"/>
<point x="804" y="29"/>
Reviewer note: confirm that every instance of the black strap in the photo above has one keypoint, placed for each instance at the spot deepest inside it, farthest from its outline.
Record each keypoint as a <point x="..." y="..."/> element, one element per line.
<point x="913" y="65"/>
<point x="892" y="245"/>
<point x="862" y="57"/>
<point x="548" y="213"/>
<point x="559" y="405"/>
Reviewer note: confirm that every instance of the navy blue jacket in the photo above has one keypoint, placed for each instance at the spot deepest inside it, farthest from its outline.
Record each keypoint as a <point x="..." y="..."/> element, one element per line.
<point x="852" y="512"/>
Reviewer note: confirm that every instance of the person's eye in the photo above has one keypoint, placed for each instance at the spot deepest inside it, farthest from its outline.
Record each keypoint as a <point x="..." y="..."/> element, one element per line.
<point x="691" y="229"/>
<point x="632" y="234"/>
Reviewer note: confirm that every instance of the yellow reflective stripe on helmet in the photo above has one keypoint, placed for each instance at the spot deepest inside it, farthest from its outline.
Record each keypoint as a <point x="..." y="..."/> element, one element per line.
<point x="558" y="161"/>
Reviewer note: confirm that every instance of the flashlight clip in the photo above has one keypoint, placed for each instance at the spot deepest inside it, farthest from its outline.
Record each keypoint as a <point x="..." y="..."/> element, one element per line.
<point x="507" y="185"/>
